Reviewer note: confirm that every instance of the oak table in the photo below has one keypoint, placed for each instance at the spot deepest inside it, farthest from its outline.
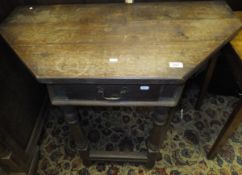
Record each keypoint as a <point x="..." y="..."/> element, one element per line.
<point x="118" y="55"/>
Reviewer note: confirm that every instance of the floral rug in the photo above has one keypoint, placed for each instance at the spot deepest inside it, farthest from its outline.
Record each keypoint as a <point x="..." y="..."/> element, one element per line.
<point x="190" y="136"/>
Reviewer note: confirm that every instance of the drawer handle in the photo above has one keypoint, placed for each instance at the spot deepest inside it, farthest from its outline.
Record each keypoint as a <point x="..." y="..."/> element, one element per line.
<point x="121" y="93"/>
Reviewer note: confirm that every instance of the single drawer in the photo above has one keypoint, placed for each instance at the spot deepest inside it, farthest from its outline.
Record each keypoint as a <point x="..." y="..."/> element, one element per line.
<point x="92" y="93"/>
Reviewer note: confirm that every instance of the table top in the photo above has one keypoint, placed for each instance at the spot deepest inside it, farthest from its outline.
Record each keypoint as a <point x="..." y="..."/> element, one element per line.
<point x="237" y="41"/>
<point x="166" y="41"/>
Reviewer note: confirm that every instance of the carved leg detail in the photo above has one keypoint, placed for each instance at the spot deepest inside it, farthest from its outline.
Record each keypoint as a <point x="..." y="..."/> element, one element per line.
<point x="71" y="117"/>
<point x="157" y="135"/>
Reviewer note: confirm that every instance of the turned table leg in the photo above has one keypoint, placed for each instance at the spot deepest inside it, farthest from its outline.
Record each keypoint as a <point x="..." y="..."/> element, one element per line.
<point x="235" y="118"/>
<point x="231" y="125"/>
<point x="71" y="117"/>
<point x="158" y="134"/>
<point x="206" y="81"/>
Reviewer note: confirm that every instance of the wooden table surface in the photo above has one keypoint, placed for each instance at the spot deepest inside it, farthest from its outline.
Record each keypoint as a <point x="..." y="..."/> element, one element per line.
<point x="118" y="41"/>
<point x="237" y="41"/>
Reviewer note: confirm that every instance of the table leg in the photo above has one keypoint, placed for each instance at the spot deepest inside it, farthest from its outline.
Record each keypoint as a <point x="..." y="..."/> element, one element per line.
<point x="71" y="117"/>
<point x="157" y="135"/>
<point x="206" y="81"/>
<point x="231" y="125"/>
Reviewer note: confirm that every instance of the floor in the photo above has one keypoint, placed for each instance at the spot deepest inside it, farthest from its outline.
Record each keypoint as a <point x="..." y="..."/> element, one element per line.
<point x="190" y="136"/>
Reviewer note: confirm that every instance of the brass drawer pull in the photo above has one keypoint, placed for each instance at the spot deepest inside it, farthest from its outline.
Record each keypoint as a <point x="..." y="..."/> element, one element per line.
<point x="112" y="98"/>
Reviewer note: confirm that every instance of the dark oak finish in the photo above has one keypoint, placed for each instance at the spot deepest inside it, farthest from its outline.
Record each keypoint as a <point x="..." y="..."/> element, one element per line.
<point x="144" y="38"/>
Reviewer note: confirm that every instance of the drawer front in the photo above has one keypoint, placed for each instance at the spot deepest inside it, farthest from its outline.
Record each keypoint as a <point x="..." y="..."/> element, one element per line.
<point x="106" y="92"/>
<point x="112" y="93"/>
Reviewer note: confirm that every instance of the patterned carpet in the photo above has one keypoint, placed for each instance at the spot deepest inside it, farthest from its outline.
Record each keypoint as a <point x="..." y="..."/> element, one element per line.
<point x="190" y="136"/>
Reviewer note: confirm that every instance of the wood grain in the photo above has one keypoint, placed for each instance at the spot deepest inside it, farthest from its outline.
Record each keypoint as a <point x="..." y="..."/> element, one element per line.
<point x="237" y="41"/>
<point x="76" y="41"/>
